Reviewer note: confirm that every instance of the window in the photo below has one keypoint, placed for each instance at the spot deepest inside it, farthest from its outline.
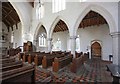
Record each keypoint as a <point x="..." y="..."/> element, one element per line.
<point x="58" y="5"/>
<point x="12" y="37"/>
<point x="78" y="43"/>
<point x="42" y="40"/>
<point x="57" y="45"/>
<point x="39" y="10"/>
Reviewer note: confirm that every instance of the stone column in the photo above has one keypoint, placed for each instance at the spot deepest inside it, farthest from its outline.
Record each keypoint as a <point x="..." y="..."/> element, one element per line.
<point x="49" y="41"/>
<point x="35" y="45"/>
<point x="116" y="47"/>
<point x="73" y="44"/>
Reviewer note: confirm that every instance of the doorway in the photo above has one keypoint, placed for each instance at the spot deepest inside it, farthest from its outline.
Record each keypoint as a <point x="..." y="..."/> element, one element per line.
<point x="96" y="50"/>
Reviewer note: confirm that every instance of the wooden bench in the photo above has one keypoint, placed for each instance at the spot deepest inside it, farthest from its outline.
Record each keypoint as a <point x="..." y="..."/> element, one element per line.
<point x="115" y="72"/>
<point x="61" y="62"/>
<point x="23" y="74"/>
<point x="31" y="56"/>
<point x="25" y="57"/>
<point x="37" y="58"/>
<point x="13" y="52"/>
<point x="47" y="60"/>
<point x="85" y="56"/>
<point x="7" y="60"/>
<point x="78" y="54"/>
<point x="76" y="64"/>
<point x="12" y="65"/>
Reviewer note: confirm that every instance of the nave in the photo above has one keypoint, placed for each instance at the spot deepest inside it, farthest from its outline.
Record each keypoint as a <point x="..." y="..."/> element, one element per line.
<point x="91" y="72"/>
<point x="42" y="43"/>
<point x="57" y="67"/>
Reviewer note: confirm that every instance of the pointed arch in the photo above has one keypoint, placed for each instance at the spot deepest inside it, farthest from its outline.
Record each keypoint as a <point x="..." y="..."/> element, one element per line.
<point x="37" y="31"/>
<point x="102" y="11"/>
<point x="17" y="10"/>
<point x="54" y="24"/>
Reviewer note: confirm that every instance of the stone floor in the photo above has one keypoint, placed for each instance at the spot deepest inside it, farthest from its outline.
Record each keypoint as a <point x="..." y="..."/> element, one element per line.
<point x="93" y="71"/>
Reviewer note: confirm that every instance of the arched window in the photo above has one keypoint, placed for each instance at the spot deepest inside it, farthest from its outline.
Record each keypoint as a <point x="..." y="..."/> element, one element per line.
<point x="78" y="43"/>
<point x="39" y="10"/>
<point x="12" y="37"/>
<point x="58" y="5"/>
<point x="42" y="40"/>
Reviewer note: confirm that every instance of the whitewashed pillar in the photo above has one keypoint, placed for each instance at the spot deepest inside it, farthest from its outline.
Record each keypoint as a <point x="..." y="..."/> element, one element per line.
<point x="73" y="44"/>
<point x="49" y="41"/>
<point x="116" y="47"/>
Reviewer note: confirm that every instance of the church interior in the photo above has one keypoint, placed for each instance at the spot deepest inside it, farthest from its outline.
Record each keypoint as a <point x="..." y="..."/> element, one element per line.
<point x="59" y="41"/>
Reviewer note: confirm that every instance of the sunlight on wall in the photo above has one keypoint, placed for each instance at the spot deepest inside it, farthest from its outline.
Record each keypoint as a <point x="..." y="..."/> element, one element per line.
<point x="42" y="40"/>
<point x="40" y="11"/>
<point x="57" y="45"/>
<point x="82" y="0"/>
<point x="78" y="44"/>
<point x="58" y="5"/>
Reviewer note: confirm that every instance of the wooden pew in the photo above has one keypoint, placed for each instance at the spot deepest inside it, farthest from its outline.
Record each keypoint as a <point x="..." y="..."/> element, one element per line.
<point x="38" y="60"/>
<point x="13" y="52"/>
<point x="12" y="65"/>
<point x="67" y="53"/>
<point x="115" y="72"/>
<point x="24" y="74"/>
<point x="61" y="62"/>
<point x="25" y="57"/>
<point x="57" y="52"/>
<point x="7" y="60"/>
<point x="31" y="56"/>
<point x="20" y="55"/>
<point x="14" y="71"/>
<point x="47" y="60"/>
<point x="78" y="54"/>
<point x="85" y="57"/>
<point x="76" y="64"/>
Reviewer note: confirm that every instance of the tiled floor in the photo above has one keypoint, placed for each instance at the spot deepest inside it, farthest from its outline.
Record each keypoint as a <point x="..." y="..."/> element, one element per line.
<point x="92" y="71"/>
<point x="95" y="71"/>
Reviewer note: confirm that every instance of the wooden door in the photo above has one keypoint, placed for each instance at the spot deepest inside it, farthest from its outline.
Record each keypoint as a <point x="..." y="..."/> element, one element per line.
<point x="96" y="49"/>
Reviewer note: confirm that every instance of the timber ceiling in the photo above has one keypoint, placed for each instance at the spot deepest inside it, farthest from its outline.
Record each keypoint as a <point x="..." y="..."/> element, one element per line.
<point x="60" y="26"/>
<point x="9" y="15"/>
<point x="91" y="19"/>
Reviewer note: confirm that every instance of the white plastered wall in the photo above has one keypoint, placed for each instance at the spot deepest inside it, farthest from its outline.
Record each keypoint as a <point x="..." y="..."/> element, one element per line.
<point x="87" y="35"/>
<point x="17" y="35"/>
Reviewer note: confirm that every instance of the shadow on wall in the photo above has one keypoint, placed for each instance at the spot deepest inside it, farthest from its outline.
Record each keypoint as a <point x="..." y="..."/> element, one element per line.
<point x="34" y="48"/>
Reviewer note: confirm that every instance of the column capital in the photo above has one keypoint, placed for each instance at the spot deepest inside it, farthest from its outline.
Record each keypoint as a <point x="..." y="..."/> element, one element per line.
<point x="49" y="39"/>
<point x="73" y="37"/>
<point x="115" y="34"/>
